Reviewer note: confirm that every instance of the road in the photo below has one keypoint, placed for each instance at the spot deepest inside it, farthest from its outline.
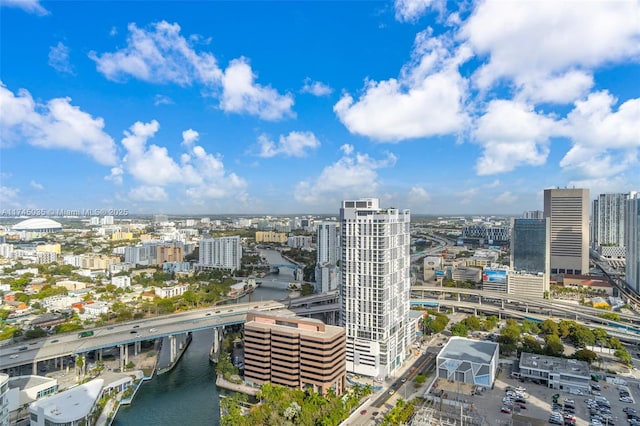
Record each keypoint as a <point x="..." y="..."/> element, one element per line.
<point x="129" y="332"/>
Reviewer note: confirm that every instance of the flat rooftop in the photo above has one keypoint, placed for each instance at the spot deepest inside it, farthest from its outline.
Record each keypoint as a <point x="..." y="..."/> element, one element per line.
<point x="26" y="382"/>
<point x="471" y="350"/>
<point x="551" y="363"/>
<point x="70" y="405"/>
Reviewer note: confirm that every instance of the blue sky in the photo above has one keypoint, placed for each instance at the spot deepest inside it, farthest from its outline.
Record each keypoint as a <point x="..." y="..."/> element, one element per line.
<point x="290" y="107"/>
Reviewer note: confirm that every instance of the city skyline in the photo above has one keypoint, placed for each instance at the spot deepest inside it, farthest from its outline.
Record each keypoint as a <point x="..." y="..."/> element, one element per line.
<point x="281" y="108"/>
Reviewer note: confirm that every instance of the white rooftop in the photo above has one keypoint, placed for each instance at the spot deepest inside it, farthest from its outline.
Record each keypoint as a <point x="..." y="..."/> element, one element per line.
<point x="68" y="406"/>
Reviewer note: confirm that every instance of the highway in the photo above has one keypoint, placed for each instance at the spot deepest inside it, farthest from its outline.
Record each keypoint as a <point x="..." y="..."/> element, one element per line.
<point x="126" y="333"/>
<point x="578" y="310"/>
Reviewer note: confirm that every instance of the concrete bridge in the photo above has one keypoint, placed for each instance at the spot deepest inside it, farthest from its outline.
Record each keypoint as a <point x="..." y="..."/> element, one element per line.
<point x="62" y="348"/>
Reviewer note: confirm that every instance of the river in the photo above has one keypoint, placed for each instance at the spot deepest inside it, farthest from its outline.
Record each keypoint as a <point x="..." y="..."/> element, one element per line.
<point x="187" y="395"/>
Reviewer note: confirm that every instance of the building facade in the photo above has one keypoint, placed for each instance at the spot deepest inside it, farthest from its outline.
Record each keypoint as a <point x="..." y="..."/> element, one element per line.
<point x="4" y="399"/>
<point x="469" y="361"/>
<point x="295" y="352"/>
<point x="375" y="286"/>
<point x="556" y="373"/>
<point x="523" y="284"/>
<point x="530" y="249"/>
<point x="632" y="238"/>
<point x="608" y="220"/>
<point x="222" y="253"/>
<point x="568" y="213"/>
<point x="326" y="273"/>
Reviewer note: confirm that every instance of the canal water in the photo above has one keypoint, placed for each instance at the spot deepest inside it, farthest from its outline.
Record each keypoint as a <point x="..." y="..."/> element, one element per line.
<point x="187" y="395"/>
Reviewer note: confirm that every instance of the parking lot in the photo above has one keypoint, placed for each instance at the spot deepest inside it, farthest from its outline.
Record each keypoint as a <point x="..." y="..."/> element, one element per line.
<point x="539" y="402"/>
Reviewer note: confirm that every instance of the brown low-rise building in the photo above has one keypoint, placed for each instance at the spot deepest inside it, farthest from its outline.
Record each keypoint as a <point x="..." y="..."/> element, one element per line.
<point x="297" y="352"/>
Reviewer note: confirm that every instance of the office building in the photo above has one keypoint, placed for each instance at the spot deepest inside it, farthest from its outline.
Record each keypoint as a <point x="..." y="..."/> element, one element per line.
<point x="4" y="399"/>
<point x="432" y="268"/>
<point x="297" y="352"/>
<point x="488" y="234"/>
<point x="375" y="286"/>
<point x="469" y="361"/>
<point x="299" y="242"/>
<point x="530" y="248"/>
<point x="71" y="407"/>
<point x="221" y="253"/>
<point x="326" y="274"/>
<point x="632" y="238"/>
<point x="555" y="373"/>
<point x="608" y="220"/>
<point x="170" y="252"/>
<point x="568" y="213"/>
<point x="524" y="284"/>
<point x="494" y="278"/>
<point x="533" y="214"/>
<point x="271" y="237"/>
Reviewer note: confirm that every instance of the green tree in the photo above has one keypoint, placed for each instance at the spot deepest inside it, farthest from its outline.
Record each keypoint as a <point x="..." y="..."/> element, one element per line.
<point x="459" y="329"/>
<point x="549" y="326"/>
<point x="34" y="333"/>
<point x="472" y="323"/>
<point x="529" y="326"/>
<point x="531" y="345"/>
<point x="614" y="343"/>
<point x="490" y="323"/>
<point x="623" y="356"/>
<point x="582" y="336"/>
<point x="553" y="345"/>
<point x="585" y="355"/>
<point x="565" y="328"/>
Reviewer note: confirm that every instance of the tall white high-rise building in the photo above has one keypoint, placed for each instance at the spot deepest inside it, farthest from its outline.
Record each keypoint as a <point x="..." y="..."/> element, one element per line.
<point x="568" y="210"/>
<point x="327" y="243"/>
<point x="375" y="286"/>
<point x="326" y="273"/>
<point x="632" y="238"/>
<point x="608" y="220"/>
<point x="221" y="253"/>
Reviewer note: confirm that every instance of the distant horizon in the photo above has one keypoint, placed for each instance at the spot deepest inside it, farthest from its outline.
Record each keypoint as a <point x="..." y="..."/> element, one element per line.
<point x="294" y="106"/>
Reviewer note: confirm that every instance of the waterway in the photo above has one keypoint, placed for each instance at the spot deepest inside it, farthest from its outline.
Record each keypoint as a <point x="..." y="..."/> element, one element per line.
<point x="187" y="395"/>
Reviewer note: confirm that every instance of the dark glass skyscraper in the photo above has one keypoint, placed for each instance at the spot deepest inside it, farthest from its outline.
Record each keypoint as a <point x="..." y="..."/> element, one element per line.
<point x="530" y="245"/>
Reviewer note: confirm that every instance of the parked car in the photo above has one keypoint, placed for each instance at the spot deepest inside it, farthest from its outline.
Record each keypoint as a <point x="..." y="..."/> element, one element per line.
<point x="505" y="409"/>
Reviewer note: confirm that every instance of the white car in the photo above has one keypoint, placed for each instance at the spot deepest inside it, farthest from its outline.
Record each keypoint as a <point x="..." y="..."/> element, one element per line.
<point x="14" y="356"/>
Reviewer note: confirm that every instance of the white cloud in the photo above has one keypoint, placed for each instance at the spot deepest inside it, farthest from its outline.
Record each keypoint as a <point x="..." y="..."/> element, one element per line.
<point x="601" y="136"/>
<point x="506" y="198"/>
<point x="36" y="185"/>
<point x="466" y="196"/>
<point x="316" y="88"/>
<point x="163" y="55"/>
<point x="512" y="134"/>
<point x="561" y="89"/>
<point x="426" y="100"/>
<point x="534" y="43"/>
<point x="56" y="124"/>
<point x="162" y="100"/>
<point x="201" y="174"/>
<point x="411" y="10"/>
<point x="351" y="176"/>
<point x="241" y="94"/>
<point x="148" y="193"/>
<point x="30" y="6"/>
<point x="418" y="196"/>
<point x="116" y="175"/>
<point x="493" y="184"/>
<point x="151" y="165"/>
<point x="9" y="196"/>
<point x="295" y="144"/>
<point x="59" y="58"/>
<point x="189" y="137"/>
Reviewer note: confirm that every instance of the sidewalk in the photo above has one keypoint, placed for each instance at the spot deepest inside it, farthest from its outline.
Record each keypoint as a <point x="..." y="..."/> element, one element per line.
<point x="372" y="415"/>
